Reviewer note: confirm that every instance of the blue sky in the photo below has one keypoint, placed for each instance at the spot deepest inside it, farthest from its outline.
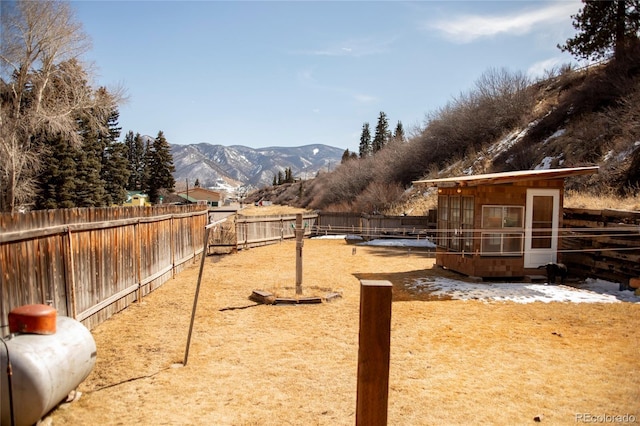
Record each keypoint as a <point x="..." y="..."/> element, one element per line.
<point x="292" y="73"/>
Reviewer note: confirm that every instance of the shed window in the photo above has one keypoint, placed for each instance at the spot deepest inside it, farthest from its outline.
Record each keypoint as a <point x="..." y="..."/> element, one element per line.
<point x="443" y="220"/>
<point x="467" y="224"/>
<point x="503" y="230"/>
<point x="455" y="222"/>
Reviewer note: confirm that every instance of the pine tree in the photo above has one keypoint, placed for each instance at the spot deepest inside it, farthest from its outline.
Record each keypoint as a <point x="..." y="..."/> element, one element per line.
<point x="280" y="178"/>
<point x="57" y="177"/>
<point x="197" y="183"/>
<point x="288" y="175"/>
<point x="382" y="134"/>
<point x="149" y="183"/>
<point x="346" y="156"/>
<point x="604" y="26"/>
<point x="115" y="166"/>
<point x="398" y="135"/>
<point x="365" y="141"/>
<point x="164" y="162"/>
<point x="159" y="167"/>
<point x="136" y="159"/>
<point x="90" y="190"/>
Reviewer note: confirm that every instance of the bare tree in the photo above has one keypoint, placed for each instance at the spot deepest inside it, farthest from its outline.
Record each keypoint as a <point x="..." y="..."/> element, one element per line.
<point x="41" y="89"/>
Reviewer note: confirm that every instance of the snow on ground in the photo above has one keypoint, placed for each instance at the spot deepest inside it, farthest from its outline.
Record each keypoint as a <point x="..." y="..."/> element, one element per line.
<point x="399" y="242"/>
<point x="390" y="242"/>
<point x="589" y="291"/>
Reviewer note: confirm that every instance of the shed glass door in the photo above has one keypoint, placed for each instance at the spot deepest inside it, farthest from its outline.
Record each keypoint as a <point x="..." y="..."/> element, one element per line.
<point x="541" y="227"/>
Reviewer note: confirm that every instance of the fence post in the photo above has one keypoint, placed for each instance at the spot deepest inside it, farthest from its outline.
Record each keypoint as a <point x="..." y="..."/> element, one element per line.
<point x="71" y="280"/>
<point x="172" y="251"/>
<point x="373" y="352"/>
<point x="138" y="254"/>
<point x="299" y="231"/>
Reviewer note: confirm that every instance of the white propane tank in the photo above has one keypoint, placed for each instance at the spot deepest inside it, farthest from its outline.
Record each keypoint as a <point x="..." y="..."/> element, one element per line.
<point x="46" y="368"/>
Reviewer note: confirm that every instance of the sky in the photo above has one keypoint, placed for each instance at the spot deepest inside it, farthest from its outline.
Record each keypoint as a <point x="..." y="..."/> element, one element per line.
<point x="293" y="73"/>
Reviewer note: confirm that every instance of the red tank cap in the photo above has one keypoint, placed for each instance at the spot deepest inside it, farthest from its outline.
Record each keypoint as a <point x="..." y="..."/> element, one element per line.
<point x="33" y="319"/>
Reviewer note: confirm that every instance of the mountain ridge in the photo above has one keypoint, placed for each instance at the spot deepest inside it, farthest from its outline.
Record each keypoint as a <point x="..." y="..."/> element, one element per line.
<point x="234" y="166"/>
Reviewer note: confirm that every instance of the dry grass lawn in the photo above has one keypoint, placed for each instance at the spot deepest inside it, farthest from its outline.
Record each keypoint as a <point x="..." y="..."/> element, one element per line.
<point x="452" y="362"/>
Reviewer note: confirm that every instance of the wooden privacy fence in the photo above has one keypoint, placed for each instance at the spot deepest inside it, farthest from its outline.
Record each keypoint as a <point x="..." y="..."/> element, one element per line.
<point x="602" y="244"/>
<point x="91" y="263"/>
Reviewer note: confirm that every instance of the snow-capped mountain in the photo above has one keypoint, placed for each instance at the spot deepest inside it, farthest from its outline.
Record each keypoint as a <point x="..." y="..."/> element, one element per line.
<point x="251" y="167"/>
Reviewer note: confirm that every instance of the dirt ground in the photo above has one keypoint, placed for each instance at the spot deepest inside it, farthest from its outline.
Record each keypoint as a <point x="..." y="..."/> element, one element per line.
<point x="452" y="361"/>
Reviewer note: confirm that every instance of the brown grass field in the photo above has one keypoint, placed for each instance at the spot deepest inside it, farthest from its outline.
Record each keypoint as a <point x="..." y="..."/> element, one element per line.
<point x="452" y="362"/>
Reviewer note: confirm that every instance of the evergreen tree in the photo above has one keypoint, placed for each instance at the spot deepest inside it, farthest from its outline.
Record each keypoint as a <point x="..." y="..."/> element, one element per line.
<point x="57" y="177"/>
<point x="275" y="181"/>
<point x="90" y="190"/>
<point x="280" y="178"/>
<point x="289" y="175"/>
<point x="149" y="186"/>
<point x="399" y="132"/>
<point x="159" y="167"/>
<point x="115" y="166"/>
<point x="136" y="159"/>
<point x="197" y="183"/>
<point x="604" y="26"/>
<point x="365" y="141"/>
<point x="164" y="162"/>
<point x="382" y="134"/>
<point x="346" y="156"/>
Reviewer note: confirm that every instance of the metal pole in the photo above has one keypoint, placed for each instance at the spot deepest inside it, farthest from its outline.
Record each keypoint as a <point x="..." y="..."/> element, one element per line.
<point x="195" y="297"/>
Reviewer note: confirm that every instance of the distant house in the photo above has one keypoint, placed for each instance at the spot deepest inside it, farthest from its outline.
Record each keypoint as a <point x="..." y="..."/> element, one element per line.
<point x="500" y="224"/>
<point x="136" y="198"/>
<point x="202" y="196"/>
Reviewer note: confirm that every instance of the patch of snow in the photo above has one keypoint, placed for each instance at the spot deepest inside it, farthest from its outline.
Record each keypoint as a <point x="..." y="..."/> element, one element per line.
<point x="332" y="237"/>
<point x="557" y="134"/>
<point x="396" y="242"/>
<point x="591" y="291"/>
<point x="545" y="163"/>
<point x="509" y="140"/>
<point x="315" y="151"/>
<point x="399" y="242"/>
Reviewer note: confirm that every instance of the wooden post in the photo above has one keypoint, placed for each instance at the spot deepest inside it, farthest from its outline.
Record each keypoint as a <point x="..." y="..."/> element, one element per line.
<point x="195" y="297"/>
<point x="138" y="253"/>
<point x="373" y="352"/>
<point x="71" y="278"/>
<point x="299" y="243"/>
<point x="172" y="251"/>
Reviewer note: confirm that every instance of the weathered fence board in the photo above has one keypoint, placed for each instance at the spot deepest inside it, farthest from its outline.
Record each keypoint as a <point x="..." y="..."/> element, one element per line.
<point x="602" y="244"/>
<point x="92" y="263"/>
<point x="260" y="230"/>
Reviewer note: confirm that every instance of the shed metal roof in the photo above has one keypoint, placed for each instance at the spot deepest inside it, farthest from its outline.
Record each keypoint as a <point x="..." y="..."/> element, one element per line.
<point x="508" y="177"/>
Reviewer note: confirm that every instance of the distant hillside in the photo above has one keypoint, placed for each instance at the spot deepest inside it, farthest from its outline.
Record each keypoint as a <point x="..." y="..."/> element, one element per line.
<point x="218" y="165"/>
<point x="572" y="118"/>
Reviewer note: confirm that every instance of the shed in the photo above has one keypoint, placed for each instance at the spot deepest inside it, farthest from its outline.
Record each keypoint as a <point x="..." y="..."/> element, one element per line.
<point x="500" y="224"/>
